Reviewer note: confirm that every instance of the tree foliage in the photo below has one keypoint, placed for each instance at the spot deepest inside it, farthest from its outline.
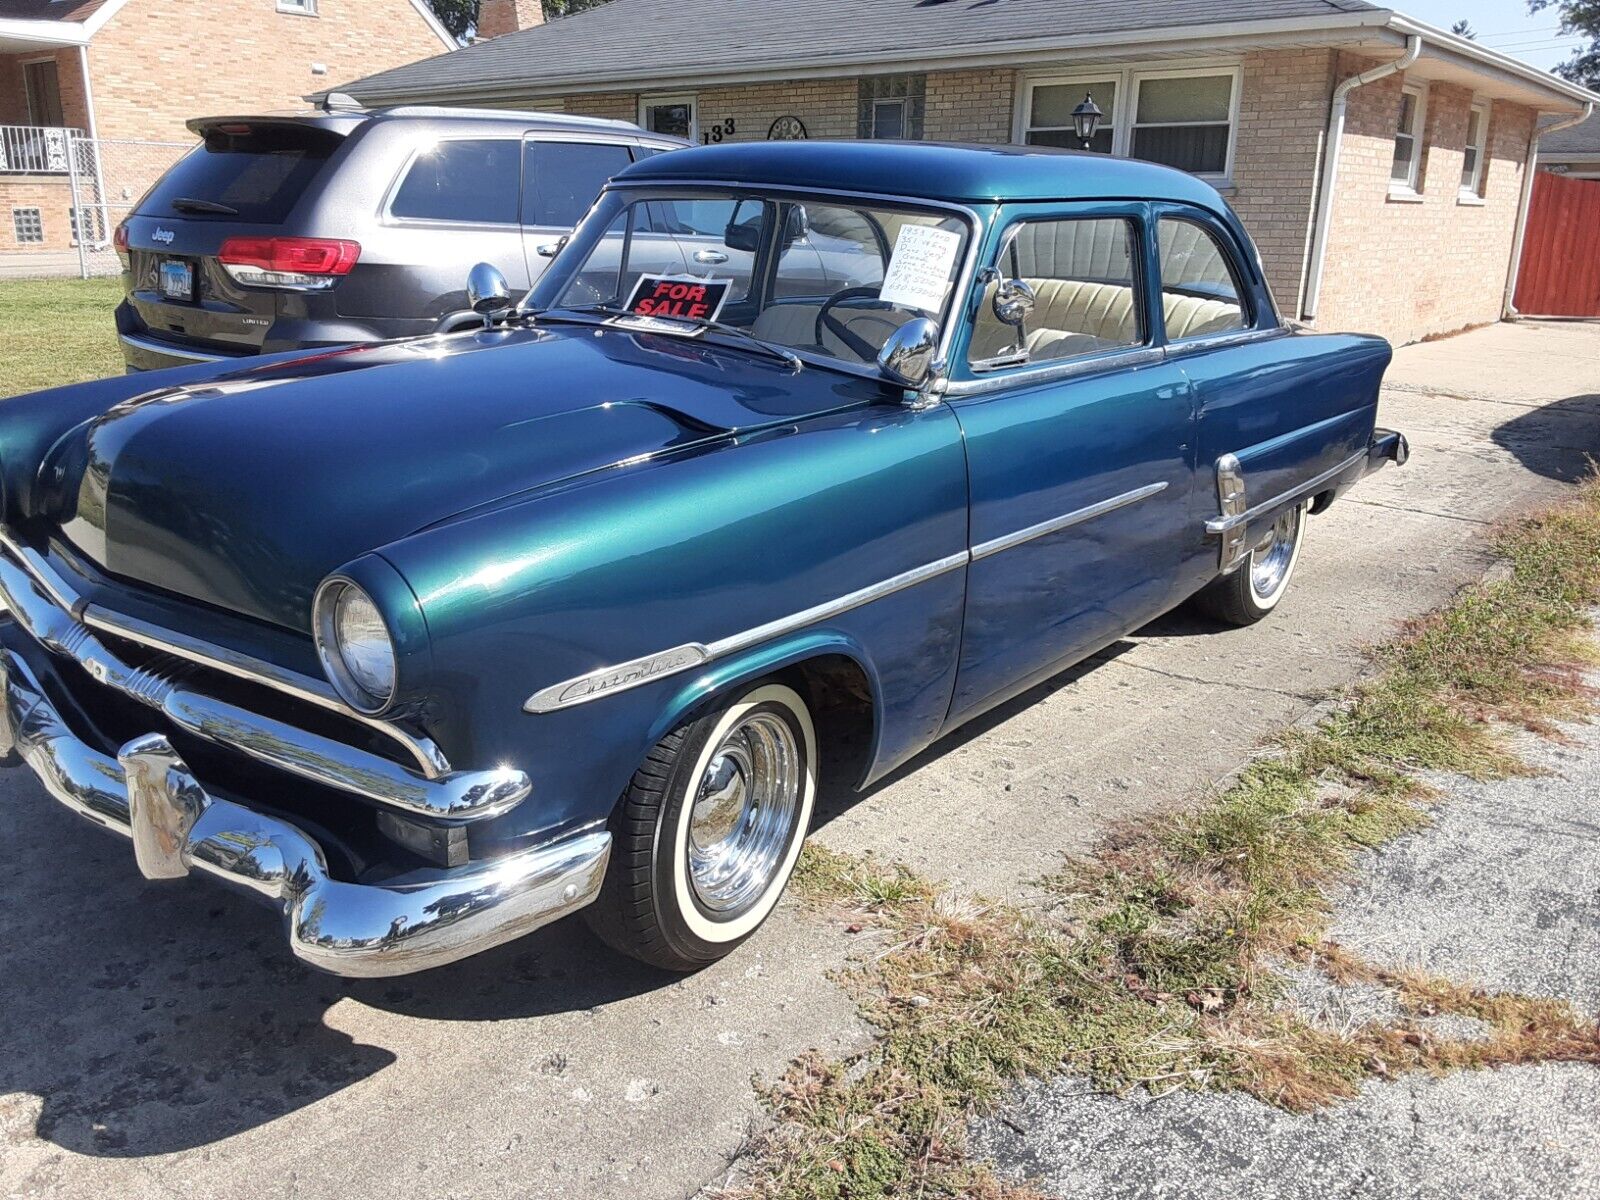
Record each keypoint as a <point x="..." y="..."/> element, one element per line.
<point x="1581" y="17"/>
<point x="1464" y="29"/>
<point x="460" y="17"/>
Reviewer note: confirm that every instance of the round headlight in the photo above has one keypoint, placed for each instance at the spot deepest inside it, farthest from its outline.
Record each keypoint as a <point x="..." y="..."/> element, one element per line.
<point x="355" y="646"/>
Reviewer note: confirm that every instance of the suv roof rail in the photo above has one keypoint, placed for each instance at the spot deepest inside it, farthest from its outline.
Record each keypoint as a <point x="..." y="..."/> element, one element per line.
<point x="513" y="114"/>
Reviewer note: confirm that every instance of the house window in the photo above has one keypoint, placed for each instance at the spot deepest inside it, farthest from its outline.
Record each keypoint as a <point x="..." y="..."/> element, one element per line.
<point x="891" y="106"/>
<point x="672" y="115"/>
<point x="27" y="226"/>
<point x="1050" y="108"/>
<point x="43" y="85"/>
<point x="1472" y="156"/>
<point x="1185" y="119"/>
<point x="1408" y="141"/>
<point x="304" y="7"/>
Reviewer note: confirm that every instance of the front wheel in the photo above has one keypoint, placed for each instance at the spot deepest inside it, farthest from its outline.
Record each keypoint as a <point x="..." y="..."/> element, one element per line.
<point x="1249" y="593"/>
<point x="709" y="830"/>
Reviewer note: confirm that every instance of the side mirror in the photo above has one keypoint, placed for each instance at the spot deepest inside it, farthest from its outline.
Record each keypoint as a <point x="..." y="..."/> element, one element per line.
<point x="796" y="226"/>
<point x="745" y="238"/>
<point x="551" y="249"/>
<point x="1013" y="302"/>
<point x="488" y="293"/>
<point x="907" y="357"/>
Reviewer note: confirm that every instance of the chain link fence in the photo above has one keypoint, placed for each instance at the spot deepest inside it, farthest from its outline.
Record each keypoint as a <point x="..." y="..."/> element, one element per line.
<point x="107" y="178"/>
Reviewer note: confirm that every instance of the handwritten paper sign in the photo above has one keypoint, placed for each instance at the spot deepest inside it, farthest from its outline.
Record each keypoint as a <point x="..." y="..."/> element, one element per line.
<point x="919" y="270"/>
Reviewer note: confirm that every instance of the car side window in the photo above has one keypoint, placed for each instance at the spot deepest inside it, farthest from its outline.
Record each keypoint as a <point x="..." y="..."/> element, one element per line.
<point x="471" y="180"/>
<point x="1084" y="277"/>
<point x="1200" y="292"/>
<point x="562" y="180"/>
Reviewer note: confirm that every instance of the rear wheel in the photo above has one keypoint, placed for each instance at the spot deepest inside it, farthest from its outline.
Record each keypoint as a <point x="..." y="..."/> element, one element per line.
<point x="1252" y="591"/>
<point x="709" y="830"/>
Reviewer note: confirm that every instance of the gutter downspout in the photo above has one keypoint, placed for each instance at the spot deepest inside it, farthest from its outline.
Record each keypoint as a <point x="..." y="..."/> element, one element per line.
<point x="1530" y="168"/>
<point x="1330" y="165"/>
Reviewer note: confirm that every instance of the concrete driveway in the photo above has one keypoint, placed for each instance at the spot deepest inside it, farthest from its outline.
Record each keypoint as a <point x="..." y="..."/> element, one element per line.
<point x="160" y="1042"/>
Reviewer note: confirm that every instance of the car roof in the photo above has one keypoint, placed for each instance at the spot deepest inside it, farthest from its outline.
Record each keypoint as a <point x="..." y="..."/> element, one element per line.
<point x="931" y="170"/>
<point x="346" y="120"/>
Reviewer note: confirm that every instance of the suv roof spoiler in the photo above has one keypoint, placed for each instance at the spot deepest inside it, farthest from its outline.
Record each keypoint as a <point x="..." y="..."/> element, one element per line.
<point x="504" y="114"/>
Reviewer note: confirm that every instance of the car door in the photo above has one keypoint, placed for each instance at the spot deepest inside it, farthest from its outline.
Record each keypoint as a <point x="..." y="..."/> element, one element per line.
<point x="561" y="180"/>
<point x="1258" y="406"/>
<point x="1079" y="439"/>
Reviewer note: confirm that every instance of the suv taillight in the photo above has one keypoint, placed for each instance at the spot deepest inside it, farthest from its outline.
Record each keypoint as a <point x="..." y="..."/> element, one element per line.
<point x="287" y="262"/>
<point x="119" y="239"/>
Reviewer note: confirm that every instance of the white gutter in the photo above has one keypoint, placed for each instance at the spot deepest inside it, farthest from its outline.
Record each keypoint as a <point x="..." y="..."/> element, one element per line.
<point x="1530" y="168"/>
<point x="1330" y="166"/>
<point x="42" y="33"/>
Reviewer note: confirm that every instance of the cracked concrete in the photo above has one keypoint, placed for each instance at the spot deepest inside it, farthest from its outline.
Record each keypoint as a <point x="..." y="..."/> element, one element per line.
<point x="161" y="1043"/>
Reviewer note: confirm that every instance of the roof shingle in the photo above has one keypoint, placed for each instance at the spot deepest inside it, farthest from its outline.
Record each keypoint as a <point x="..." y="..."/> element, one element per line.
<point x="48" y="10"/>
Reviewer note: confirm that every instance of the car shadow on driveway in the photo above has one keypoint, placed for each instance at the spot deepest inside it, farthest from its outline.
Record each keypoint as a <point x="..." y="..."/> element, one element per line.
<point x="147" y="1019"/>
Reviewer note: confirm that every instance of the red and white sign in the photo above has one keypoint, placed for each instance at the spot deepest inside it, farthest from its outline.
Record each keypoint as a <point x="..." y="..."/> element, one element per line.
<point x="679" y="297"/>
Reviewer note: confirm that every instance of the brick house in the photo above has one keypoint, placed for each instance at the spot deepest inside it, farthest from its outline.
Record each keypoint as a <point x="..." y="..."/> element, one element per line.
<point x="129" y="73"/>
<point x="1392" y="203"/>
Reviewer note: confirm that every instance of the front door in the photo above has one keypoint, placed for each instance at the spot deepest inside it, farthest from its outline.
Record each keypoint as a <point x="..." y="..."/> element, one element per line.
<point x="1079" y="439"/>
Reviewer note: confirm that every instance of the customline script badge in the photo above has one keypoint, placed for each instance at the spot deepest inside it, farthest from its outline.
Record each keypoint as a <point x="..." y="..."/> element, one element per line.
<point x="679" y="297"/>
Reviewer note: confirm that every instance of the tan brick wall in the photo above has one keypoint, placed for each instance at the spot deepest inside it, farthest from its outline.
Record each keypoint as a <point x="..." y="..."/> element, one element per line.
<point x="51" y="195"/>
<point x="1283" y="113"/>
<point x="614" y="106"/>
<point x="1409" y="270"/>
<point x="159" y="62"/>
<point x="827" y="106"/>
<point x="970" y="106"/>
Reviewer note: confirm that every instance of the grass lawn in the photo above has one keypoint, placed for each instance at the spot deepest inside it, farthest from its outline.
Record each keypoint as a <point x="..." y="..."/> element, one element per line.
<point x="56" y="331"/>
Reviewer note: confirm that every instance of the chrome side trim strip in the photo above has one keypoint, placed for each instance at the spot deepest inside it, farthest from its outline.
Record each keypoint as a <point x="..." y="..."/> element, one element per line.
<point x="430" y="759"/>
<point x="1224" y="524"/>
<point x="1021" y="375"/>
<point x="608" y="681"/>
<point x="196" y="356"/>
<point x="1056" y="524"/>
<point x="422" y="920"/>
<point x="467" y="796"/>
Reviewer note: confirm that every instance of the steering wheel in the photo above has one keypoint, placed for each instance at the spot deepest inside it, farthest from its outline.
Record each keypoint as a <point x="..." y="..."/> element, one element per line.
<point x="854" y="341"/>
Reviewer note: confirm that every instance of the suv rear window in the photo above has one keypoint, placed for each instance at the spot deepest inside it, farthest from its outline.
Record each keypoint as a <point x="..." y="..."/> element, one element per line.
<point x="253" y="175"/>
<point x="473" y="180"/>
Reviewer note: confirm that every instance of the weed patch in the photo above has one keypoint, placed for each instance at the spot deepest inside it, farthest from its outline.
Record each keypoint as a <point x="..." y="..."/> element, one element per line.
<point x="1157" y="965"/>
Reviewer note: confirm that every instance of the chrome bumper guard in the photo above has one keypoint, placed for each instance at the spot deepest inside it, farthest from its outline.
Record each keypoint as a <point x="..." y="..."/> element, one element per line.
<point x="356" y="930"/>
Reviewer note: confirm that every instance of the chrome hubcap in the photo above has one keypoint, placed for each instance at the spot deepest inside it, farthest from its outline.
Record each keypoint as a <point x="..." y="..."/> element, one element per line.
<point x="744" y="812"/>
<point x="1269" y="561"/>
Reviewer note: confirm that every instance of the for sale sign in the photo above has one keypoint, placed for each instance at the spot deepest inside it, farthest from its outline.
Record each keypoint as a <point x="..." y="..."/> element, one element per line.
<point x="679" y="297"/>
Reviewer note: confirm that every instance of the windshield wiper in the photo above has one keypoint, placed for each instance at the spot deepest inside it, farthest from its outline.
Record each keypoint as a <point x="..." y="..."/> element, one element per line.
<point x="689" y="324"/>
<point x="190" y="204"/>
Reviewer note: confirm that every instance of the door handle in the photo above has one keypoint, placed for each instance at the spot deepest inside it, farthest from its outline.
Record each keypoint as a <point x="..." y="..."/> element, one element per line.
<point x="710" y="258"/>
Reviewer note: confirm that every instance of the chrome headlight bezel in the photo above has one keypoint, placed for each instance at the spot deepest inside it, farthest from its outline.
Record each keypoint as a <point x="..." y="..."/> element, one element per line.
<point x="325" y="631"/>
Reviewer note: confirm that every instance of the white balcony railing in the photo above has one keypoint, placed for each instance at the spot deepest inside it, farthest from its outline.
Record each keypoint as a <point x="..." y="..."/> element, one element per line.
<point x="36" y="150"/>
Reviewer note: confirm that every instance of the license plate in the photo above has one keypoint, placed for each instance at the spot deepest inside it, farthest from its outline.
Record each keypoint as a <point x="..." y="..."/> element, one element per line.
<point x="177" y="280"/>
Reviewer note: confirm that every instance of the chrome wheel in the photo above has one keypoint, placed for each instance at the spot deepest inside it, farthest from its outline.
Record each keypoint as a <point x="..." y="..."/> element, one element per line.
<point x="1273" y="556"/>
<point x="745" y="804"/>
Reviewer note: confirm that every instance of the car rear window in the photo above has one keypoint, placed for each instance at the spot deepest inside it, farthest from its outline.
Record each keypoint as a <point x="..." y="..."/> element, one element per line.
<point x="257" y="173"/>
<point x="474" y="180"/>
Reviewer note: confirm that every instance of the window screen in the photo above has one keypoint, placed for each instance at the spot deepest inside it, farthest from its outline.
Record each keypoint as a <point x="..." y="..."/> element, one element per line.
<point x="561" y="180"/>
<point x="473" y="180"/>
<point x="1184" y="122"/>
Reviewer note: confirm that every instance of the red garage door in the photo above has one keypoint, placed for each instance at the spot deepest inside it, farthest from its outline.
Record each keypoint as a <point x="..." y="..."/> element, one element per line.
<point x="1560" y="274"/>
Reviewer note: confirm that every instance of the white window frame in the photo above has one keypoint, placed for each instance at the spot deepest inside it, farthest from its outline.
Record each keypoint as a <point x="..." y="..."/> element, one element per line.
<point x="298" y="8"/>
<point x="692" y="99"/>
<point x="1128" y="77"/>
<point x="1410" y="189"/>
<point x="1472" y="190"/>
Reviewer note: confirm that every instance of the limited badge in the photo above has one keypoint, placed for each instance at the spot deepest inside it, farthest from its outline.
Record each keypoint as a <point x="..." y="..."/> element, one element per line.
<point x="679" y="297"/>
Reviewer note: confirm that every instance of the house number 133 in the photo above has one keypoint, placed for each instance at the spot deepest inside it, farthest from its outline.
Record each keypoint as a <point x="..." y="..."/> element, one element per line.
<point x="717" y="132"/>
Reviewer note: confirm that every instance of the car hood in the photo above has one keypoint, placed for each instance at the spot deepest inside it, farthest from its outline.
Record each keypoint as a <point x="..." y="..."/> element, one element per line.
<point x="246" y="490"/>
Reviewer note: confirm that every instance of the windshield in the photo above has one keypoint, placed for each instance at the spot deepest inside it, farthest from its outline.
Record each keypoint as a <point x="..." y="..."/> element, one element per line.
<point x="829" y="277"/>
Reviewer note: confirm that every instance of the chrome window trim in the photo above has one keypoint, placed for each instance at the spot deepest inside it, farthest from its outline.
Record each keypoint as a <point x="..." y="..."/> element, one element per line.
<point x="1219" y="525"/>
<point x="1208" y="341"/>
<point x="430" y="759"/>
<point x="1070" y="368"/>
<point x="1066" y="521"/>
<point x="963" y="283"/>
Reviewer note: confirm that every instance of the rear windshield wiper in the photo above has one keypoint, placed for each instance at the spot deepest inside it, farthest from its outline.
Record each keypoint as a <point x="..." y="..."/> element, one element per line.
<point x="190" y="204"/>
<point x="689" y="324"/>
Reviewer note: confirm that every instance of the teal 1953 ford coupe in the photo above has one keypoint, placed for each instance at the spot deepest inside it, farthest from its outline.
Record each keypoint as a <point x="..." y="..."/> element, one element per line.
<point x="798" y="456"/>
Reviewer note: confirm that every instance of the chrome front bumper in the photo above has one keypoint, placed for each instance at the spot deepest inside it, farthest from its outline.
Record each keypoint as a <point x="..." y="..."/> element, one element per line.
<point x="358" y="930"/>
